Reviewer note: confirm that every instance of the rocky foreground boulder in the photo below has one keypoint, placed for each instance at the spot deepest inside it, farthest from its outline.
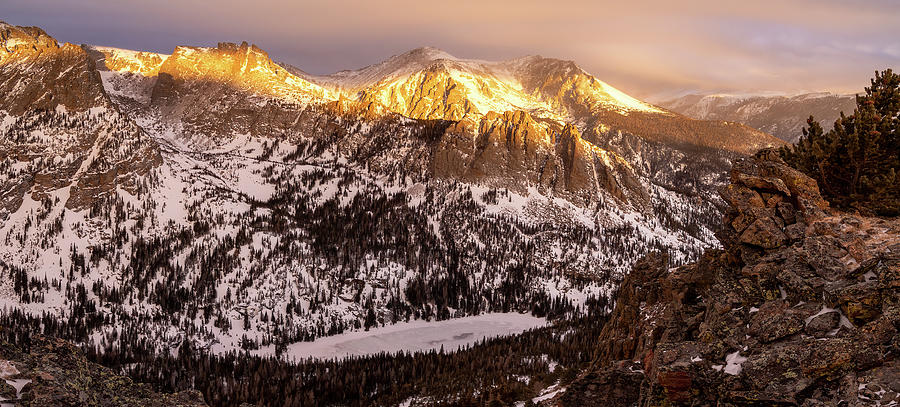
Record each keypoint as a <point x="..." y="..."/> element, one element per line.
<point x="53" y="372"/>
<point x="801" y="307"/>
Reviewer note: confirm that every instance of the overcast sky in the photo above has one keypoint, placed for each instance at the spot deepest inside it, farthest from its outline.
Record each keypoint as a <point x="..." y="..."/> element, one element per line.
<point x="646" y="48"/>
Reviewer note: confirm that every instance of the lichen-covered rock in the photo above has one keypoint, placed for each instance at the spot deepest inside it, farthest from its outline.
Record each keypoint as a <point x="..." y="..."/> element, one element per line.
<point x="616" y="386"/>
<point x="60" y="375"/>
<point x="819" y="326"/>
<point x="764" y="233"/>
<point x="775" y="320"/>
<point x="801" y="308"/>
<point x="860" y="302"/>
<point x="7" y="391"/>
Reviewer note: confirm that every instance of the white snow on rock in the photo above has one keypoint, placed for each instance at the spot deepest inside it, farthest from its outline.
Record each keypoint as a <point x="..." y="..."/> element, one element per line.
<point x="7" y="369"/>
<point x="18" y="384"/>
<point x="546" y="394"/>
<point x="137" y="61"/>
<point x="844" y="322"/>
<point x="734" y="360"/>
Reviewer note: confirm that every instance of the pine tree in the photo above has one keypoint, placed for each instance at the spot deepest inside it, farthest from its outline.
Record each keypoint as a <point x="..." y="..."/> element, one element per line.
<point x="856" y="163"/>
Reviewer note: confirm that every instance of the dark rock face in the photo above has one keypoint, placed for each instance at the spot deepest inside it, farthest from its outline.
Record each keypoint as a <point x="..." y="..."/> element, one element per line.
<point x="514" y="150"/>
<point x="820" y="326"/>
<point x="616" y="386"/>
<point x="800" y="308"/>
<point x="39" y="74"/>
<point x="60" y="375"/>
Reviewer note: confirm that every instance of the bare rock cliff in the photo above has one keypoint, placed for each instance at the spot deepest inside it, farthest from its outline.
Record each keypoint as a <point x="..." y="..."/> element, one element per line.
<point x="36" y="73"/>
<point x="58" y="126"/>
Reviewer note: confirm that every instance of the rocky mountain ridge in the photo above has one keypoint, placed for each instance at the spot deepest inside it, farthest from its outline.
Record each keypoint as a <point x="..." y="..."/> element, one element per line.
<point x="430" y="83"/>
<point x="61" y="130"/>
<point x="532" y="83"/>
<point x="781" y="116"/>
<point x="799" y="309"/>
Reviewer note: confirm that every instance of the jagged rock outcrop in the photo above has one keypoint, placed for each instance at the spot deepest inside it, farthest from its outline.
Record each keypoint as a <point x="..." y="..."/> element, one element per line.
<point x="36" y="73"/>
<point x="515" y="151"/>
<point x="53" y="372"/>
<point x="59" y="128"/>
<point x="800" y="308"/>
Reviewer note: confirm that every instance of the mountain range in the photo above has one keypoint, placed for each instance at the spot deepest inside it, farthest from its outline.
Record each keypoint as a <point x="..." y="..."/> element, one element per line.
<point x="781" y="116"/>
<point x="217" y="197"/>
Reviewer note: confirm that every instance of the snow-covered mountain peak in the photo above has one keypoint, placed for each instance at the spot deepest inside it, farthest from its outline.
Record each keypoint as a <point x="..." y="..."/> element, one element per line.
<point x="245" y="67"/>
<point x="430" y="53"/>
<point x="428" y="83"/>
<point x="396" y="66"/>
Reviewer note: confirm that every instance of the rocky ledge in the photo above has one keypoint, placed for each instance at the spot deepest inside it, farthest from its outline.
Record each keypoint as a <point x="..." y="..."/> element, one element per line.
<point x="53" y="372"/>
<point x="801" y="307"/>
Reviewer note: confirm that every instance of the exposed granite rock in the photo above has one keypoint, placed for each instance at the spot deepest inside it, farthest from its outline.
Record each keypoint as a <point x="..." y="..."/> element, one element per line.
<point x="800" y="308"/>
<point x="66" y="131"/>
<point x="515" y="150"/>
<point x="430" y="94"/>
<point x="616" y="386"/>
<point x="822" y="324"/>
<point x="36" y="73"/>
<point x="60" y="375"/>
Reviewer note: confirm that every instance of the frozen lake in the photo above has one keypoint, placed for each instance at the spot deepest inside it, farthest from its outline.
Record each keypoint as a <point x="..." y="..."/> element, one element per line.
<point x="414" y="336"/>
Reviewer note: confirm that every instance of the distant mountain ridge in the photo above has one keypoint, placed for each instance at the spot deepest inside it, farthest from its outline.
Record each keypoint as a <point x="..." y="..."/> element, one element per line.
<point x="497" y="86"/>
<point x="544" y="87"/>
<point x="781" y="116"/>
